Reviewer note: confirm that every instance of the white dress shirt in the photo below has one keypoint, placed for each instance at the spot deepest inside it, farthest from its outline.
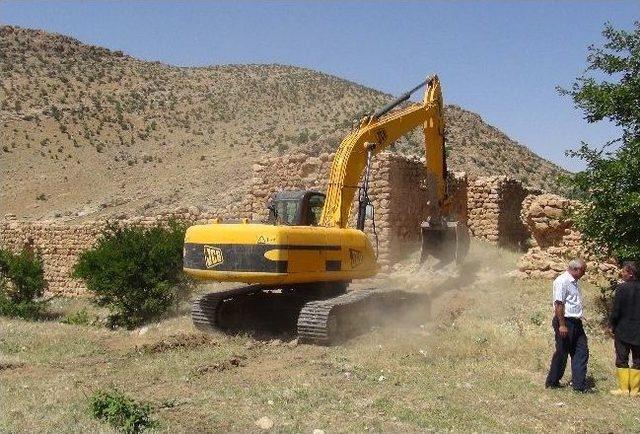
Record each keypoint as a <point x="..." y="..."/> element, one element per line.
<point x="567" y="291"/>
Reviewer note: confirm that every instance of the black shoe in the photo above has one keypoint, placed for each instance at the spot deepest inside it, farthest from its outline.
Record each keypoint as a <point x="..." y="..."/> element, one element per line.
<point x="553" y="386"/>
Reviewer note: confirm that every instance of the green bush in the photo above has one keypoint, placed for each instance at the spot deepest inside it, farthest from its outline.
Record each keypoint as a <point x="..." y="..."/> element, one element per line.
<point x="120" y="411"/>
<point x="80" y="317"/>
<point x="21" y="284"/>
<point x="136" y="272"/>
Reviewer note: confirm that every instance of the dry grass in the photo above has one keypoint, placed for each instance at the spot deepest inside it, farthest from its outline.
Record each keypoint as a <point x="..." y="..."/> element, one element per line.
<point x="477" y="363"/>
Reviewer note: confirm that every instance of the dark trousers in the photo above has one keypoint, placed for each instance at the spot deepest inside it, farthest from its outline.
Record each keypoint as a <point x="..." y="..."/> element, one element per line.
<point x="622" y="354"/>
<point x="575" y="346"/>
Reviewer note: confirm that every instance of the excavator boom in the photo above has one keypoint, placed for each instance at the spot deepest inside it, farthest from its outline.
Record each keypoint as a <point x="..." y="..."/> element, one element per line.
<point x="374" y="135"/>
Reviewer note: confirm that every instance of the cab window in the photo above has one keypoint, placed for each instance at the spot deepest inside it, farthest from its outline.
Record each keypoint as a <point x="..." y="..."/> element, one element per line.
<point x="316" y="202"/>
<point x="287" y="211"/>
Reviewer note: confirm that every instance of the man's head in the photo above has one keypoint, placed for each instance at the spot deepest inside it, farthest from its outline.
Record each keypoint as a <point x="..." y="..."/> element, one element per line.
<point x="577" y="268"/>
<point x="629" y="271"/>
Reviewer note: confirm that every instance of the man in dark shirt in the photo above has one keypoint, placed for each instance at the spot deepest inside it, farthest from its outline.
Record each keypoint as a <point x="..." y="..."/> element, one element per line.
<point x="625" y="326"/>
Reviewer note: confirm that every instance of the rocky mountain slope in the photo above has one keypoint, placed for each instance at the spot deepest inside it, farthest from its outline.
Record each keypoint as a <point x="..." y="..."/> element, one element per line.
<point x="89" y="132"/>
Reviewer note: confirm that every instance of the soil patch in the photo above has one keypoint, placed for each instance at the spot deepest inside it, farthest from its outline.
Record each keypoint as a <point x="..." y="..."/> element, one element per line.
<point x="231" y="363"/>
<point x="6" y="366"/>
<point x="180" y="340"/>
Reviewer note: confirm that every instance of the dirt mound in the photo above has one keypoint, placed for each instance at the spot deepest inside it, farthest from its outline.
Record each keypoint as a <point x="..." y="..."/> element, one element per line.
<point x="178" y="341"/>
<point x="5" y="366"/>
<point x="232" y="362"/>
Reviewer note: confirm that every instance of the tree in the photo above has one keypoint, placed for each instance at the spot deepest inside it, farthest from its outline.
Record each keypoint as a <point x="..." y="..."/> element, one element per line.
<point x="21" y="284"/>
<point x="609" y="187"/>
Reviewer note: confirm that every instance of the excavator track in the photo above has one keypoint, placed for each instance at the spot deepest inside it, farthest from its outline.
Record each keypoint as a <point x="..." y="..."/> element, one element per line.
<point x="205" y="309"/>
<point x="323" y="322"/>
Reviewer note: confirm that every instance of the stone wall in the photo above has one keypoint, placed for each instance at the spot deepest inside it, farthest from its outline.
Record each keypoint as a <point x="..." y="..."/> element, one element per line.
<point x="554" y="241"/>
<point x="494" y="205"/>
<point x="298" y="171"/>
<point x="491" y="207"/>
<point x="60" y="244"/>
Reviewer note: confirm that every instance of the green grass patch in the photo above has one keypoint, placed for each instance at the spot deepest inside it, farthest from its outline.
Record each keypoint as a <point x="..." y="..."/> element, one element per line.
<point x="121" y="411"/>
<point x="80" y="317"/>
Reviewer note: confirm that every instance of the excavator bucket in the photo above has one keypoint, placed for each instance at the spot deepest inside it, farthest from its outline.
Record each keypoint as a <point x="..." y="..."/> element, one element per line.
<point x="446" y="242"/>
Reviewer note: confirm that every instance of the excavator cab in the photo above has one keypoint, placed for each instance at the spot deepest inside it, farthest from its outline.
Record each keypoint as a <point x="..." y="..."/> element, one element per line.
<point x="296" y="208"/>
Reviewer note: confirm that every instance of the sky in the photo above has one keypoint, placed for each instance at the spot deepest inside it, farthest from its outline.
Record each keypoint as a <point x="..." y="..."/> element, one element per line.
<point x="502" y="60"/>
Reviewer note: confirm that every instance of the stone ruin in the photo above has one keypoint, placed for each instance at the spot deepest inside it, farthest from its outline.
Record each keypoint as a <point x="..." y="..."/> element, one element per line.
<point x="554" y="241"/>
<point x="497" y="209"/>
<point x="493" y="205"/>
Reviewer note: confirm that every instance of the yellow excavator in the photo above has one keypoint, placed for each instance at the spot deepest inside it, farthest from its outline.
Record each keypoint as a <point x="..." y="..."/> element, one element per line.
<point x="306" y="248"/>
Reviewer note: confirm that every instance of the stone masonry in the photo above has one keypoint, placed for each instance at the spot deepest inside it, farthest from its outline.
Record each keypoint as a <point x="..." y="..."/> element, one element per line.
<point x="490" y="206"/>
<point x="554" y="241"/>
<point x="494" y="207"/>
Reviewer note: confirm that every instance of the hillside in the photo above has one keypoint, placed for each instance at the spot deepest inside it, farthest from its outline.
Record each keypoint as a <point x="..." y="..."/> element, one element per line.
<point x="87" y="131"/>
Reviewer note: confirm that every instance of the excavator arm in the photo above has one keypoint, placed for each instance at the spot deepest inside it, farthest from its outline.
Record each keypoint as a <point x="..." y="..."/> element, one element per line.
<point x="374" y="134"/>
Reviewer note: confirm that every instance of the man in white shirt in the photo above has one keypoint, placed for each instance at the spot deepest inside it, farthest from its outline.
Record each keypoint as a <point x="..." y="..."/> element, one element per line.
<point x="567" y="325"/>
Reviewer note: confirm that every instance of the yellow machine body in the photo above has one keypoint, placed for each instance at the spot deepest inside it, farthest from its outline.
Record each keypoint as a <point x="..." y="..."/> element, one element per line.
<point x="324" y="249"/>
<point x="277" y="254"/>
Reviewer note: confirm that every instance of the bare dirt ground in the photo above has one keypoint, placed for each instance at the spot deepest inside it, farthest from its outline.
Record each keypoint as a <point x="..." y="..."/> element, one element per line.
<point x="471" y="357"/>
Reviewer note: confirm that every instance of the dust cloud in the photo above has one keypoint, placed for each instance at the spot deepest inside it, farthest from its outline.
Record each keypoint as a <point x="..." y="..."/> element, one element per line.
<point x="412" y="294"/>
<point x="415" y="293"/>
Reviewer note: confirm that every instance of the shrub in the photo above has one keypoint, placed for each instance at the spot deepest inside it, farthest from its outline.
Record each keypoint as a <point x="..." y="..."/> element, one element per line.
<point x="21" y="284"/>
<point x="120" y="411"/>
<point x="80" y="317"/>
<point x="604" y="302"/>
<point x="136" y="272"/>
